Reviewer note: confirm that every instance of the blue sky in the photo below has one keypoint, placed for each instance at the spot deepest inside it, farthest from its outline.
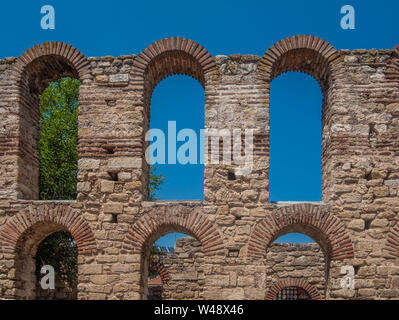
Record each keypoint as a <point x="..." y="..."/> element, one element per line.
<point x="99" y="28"/>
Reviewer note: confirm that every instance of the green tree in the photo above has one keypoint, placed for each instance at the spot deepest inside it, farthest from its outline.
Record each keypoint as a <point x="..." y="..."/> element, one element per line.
<point x="155" y="182"/>
<point x="59" y="250"/>
<point x="58" y="152"/>
<point x="58" y="157"/>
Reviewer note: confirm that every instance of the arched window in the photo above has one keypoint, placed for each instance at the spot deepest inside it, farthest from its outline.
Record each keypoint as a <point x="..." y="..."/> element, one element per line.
<point x="36" y="69"/>
<point x="166" y="57"/>
<point x="297" y="256"/>
<point x="58" y="153"/>
<point x="313" y="56"/>
<point x="184" y="265"/>
<point x="295" y="138"/>
<point x="176" y="269"/>
<point x="177" y="109"/>
<point x="204" y="241"/>
<point x="58" y="250"/>
<point x="46" y="235"/>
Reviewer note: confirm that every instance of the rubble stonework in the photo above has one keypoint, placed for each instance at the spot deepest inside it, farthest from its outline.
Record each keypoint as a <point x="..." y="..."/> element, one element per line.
<point x="114" y="225"/>
<point x="185" y="272"/>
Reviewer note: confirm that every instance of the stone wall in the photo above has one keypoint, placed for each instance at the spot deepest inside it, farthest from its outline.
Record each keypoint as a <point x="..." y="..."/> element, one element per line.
<point x="185" y="272"/>
<point x="296" y="262"/>
<point x="114" y="225"/>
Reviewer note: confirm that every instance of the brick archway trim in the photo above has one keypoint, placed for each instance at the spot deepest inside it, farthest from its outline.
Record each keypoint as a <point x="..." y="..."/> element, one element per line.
<point x="293" y="282"/>
<point x="155" y="224"/>
<point x="171" y="56"/>
<point x="304" y="53"/>
<point x="392" y="242"/>
<point x="53" y="48"/>
<point x="64" y="216"/>
<point x="327" y="226"/>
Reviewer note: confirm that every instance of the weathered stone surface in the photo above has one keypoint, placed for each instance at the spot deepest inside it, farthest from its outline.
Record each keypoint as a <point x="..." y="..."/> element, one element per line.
<point x="113" y="208"/>
<point x="115" y="78"/>
<point x="357" y="225"/>
<point x="113" y="224"/>
<point x="125" y="163"/>
<point x="88" y="164"/>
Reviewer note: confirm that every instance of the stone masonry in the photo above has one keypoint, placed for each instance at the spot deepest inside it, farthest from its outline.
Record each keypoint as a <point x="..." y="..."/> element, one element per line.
<point x="182" y="272"/>
<point x="114" y="224"/>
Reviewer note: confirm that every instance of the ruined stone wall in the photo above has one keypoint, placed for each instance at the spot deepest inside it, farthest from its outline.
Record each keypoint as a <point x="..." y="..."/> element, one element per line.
<point x="114" y="225"/>
<point x="9" y="131"/>
<point x="296" y="262"/>
<point x="185" y="271"/>
<point x="185" y="276"/>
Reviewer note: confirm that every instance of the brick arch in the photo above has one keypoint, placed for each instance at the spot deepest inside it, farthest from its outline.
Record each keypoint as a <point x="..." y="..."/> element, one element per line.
<point x="32" y="73"/>
<point x="392" y="242"/>
<point x="160" y="222"/>
<point x="51" y="60"/>
<point x="305" y="53"/>
<point x="326" y="229"/>
<point x="167" y="57"/>
<point x="60" y="217"/>
<point x="293" y="282"/>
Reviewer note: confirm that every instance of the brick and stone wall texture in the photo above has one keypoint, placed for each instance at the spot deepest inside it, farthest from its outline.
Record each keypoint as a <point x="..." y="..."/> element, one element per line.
<point x="114" y="224"/>
<point x="183" y="272"/>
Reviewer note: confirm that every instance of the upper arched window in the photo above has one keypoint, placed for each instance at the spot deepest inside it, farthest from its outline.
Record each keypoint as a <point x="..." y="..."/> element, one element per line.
<point x="170" y="56"/>
<point x="35" y="70"/>
<point x="177" y="118"/>
<point x="296" y="140"/>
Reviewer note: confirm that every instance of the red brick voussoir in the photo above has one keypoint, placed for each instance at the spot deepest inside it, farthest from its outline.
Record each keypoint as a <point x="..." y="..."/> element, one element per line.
<point x="324" y="228"/>
<point x="62" y="217"/>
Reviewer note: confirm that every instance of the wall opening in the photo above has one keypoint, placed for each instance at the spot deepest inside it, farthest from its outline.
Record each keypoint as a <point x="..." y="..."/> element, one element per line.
<point x="294" y="238"/>
<point x="41" y="245"/>
<point x="58" y="153"/>
<point x="173" y="270"/>
<point x="37" y="79"/>
<point x="60" y="251"/>
<point x="177" y="109"/>
<point x="296" y="255"/>
<point x="295" y="138"/>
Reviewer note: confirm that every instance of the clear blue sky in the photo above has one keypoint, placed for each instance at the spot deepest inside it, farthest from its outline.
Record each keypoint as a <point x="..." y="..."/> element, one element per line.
<point x="99" y="28"/>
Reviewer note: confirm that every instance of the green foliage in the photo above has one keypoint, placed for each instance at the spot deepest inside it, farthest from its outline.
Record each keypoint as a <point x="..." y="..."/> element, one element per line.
<point x="155" y="182"/>
<point x="58" y="157"/>
<point x="58" y="153"/>
<point x="59" y="250"/>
